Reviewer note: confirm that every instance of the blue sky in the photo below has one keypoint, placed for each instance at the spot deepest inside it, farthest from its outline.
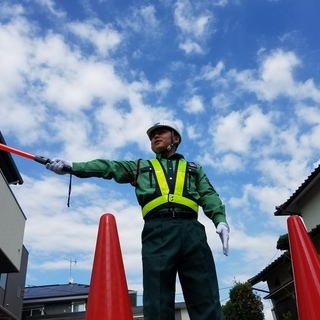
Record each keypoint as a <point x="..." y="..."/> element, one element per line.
<point x="85" y="79"/>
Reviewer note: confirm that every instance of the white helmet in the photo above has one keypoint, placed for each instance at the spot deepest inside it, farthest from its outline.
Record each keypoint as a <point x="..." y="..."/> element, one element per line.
<point x="166" y="124"/>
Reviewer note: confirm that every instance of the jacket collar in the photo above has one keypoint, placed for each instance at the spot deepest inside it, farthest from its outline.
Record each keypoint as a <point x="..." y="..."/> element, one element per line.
<point x="174" y="156"/>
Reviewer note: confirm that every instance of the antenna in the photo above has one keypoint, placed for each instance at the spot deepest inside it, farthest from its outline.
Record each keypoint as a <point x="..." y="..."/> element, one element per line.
<point x="70" y="274"/>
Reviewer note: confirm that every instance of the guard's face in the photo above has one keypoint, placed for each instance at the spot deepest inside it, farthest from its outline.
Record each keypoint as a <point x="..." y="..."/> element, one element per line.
<point x="160" y="139"/>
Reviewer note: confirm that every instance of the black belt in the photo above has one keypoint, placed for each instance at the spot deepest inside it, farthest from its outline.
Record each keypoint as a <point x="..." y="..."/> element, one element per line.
<point x="172" y="214"/>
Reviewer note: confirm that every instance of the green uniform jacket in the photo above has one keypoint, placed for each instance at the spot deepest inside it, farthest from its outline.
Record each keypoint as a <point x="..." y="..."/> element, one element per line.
<point x="140" y="174"/>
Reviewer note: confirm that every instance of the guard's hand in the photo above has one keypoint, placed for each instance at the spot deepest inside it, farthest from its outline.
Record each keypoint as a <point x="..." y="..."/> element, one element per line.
<point x="59" y="166"/>
<point x="223" y="232"/>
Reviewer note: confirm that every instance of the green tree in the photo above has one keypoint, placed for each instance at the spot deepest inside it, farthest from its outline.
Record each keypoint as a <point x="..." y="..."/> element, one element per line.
<point x="283" y="242"/>
<point x="243" y="303"/>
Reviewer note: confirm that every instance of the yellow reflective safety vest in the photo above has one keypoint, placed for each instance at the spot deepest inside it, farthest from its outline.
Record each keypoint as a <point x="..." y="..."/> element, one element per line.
<point x="167" y="197"/>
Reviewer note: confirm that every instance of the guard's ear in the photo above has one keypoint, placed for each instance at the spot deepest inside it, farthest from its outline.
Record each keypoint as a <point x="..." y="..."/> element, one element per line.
<point x="176" y="139"/>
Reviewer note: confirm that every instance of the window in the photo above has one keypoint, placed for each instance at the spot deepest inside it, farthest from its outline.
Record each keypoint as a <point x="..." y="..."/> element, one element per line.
<point x="3" y="280"/>
<point x="33" y="312"/>
<point x="37" y="312"/>
<point x="19" y="292"/>
<point x="78" y="306"/>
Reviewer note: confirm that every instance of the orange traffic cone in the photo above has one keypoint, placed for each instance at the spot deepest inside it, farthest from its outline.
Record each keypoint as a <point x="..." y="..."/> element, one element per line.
<point x="306" y="270"/>
<point x="108" y="294"/>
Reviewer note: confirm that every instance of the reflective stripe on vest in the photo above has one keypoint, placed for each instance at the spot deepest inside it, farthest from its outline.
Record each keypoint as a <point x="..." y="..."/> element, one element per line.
<point x="165" y="196"/>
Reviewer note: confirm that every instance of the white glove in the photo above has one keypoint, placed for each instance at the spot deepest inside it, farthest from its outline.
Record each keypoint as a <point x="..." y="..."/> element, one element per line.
<point x="59" y="166"/>
<point x="223" y="232"/>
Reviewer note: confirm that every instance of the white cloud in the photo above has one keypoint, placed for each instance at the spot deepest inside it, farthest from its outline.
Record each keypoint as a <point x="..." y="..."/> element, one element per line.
<point x="221" y="101"/>
<point x="276" y="79"/>
<point x="163" y="85"/>
<point x="190" y="47"/>
<point x="221" y="3"/>
<point x="264" y="209"/>
<point x="9" y="9"/>
<point x="277" y="68"/>
<point x="194" y="105"/>
<point x="309" y="114"/>
<point x="212" y="73"/>
<point x="239" y="129"/>
<point x="50" y="6"/>
<point x="310" y="140"/>
<point x="14" y="49"/>
<point x="193" y="132"/>
<point x="81" y="83"/>
<point x="148" y="15"/>
<point x="142" y="18"/>
<point x="194" y="27"/>
<point x="188" y="22"/>
<point x="104" y="38"/>
<point x="284" y="174"/>
<point x="230" y="162"/>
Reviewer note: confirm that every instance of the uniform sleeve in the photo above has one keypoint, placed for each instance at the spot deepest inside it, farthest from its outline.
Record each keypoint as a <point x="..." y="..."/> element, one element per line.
<point x="209" y="200"/>
<point x="120" y="171"/>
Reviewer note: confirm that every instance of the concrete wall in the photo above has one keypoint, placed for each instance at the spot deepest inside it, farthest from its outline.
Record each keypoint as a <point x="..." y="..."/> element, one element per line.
<point x="14" y="291"/>
<point x="12" y="224"/>
<point x="310" y="207"/>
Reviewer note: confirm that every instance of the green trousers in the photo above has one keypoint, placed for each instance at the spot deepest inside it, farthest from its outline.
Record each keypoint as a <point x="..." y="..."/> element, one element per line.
<point x="173" y="246"/>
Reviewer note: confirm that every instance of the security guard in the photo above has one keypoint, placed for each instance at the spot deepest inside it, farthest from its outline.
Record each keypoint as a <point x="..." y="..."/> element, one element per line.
<point x="169" y="190"/>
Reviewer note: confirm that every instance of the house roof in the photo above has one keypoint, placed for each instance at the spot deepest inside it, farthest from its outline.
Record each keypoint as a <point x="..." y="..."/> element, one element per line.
<point x="55" y="291"/>
<point x="8" y="167"/>
<point x="261" y="276"/>
<point x="290" y="206"/>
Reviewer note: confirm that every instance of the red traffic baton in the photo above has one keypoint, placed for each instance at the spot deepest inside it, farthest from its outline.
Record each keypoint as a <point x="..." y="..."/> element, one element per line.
<point x="30" y="156"/>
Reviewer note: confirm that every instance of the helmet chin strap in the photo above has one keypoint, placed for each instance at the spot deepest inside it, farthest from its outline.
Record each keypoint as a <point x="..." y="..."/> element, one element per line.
<point x="167" y="150"/>
<point x="169" y="147"/>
